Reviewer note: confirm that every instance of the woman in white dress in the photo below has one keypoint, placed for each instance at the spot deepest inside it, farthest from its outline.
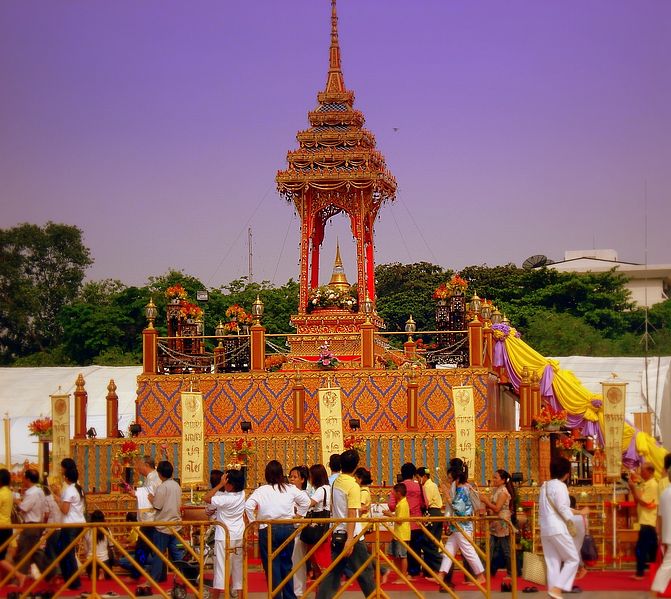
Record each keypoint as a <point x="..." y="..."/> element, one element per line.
<point x="554" y="511"/>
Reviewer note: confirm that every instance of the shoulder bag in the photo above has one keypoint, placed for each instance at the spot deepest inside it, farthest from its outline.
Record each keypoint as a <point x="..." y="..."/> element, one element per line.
<point x="312" y="532"/>
<point x="570" y="524"/>
<point x="588" y="551"/>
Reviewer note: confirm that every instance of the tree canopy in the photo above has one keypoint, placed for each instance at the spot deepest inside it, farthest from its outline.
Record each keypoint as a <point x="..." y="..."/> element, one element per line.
<point x="50" y="316"/>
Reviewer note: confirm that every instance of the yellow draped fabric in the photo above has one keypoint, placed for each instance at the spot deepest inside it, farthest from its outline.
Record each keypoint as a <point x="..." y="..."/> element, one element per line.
<point x="575" y="398"/>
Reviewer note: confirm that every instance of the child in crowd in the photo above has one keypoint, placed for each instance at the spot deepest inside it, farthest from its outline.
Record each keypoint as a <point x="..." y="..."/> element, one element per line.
<point x="101" y="548"/>
<point x="401" y="531"/>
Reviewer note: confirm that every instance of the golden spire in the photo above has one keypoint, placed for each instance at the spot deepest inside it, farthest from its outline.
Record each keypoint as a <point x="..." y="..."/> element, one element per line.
<point x="335" y="81"/>
<point x="338" y="277"/>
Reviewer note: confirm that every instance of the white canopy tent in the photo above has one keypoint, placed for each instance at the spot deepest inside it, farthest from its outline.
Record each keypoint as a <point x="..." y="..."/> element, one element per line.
<point x="648" y="388"/>
<point x="25" y="395"/>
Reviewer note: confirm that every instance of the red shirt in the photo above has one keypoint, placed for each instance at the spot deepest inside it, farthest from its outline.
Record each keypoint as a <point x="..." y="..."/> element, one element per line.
<point x="415" y="499"/>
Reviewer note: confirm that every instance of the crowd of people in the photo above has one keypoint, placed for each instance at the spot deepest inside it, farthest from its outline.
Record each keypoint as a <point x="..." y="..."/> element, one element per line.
<point x="342" y="494"/>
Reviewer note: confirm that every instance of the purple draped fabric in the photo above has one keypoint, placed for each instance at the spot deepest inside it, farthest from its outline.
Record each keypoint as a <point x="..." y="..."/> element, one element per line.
<point x="588" y="428"/>
<point x="546" y="381"/>
<point x="499" y="352"/>
<point x="630" y="458"/>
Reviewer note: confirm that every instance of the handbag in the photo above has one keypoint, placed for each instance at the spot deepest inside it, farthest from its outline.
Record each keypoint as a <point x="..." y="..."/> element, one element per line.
<point x="570" y="524"/>
<point x="16" y="516"/>
<point x="533" y="568"/>
<point x="588" y="551"/>
<point x="312" y="532"/>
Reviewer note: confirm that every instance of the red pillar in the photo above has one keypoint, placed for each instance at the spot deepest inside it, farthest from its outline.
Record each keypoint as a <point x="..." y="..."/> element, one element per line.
<point x="367" y="345"/>
<point x="314" y="266"/>
<point x="525" y="400"/>
<point x="413" y="407"/>
<point x="112" y="411"/>
<point x="258" y="348"/>
<point x="488" y="346"/>
<point x="370" y="269"/>
<point x="475" y="342"/>
<point x="299" y="406"/>
<point x="149" y="350"/>
<point x="534" y="397"/>
<point x="81" y="401"/>
<point x="410" y="350"/>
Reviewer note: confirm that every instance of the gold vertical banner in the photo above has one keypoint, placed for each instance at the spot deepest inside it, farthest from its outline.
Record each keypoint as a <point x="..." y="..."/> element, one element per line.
<point x="193" y="439"/>
<point x="614" y="400"/>
<point x="330" y="419"/>
<point x="464" y="425"/>
<point x="60" y="448"/>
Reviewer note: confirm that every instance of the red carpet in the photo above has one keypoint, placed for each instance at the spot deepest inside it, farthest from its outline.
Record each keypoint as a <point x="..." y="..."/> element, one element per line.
<point x="596" y="580"/>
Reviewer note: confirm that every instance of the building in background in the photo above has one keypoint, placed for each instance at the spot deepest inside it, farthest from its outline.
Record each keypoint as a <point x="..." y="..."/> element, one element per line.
<point x="649" y="284"/>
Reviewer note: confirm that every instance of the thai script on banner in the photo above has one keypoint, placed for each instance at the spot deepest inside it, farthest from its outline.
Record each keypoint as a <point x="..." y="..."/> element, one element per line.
<point x="60" y="448"/>
<point x="330" y="418"/>
<point x="464" y="424"/>
<point x="614" y="399"/>
<point x="193" y="439"/>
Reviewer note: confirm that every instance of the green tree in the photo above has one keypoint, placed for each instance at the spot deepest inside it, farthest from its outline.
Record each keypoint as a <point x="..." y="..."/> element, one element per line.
<point x="41" y="271"/>
<point x="405" y="289"/>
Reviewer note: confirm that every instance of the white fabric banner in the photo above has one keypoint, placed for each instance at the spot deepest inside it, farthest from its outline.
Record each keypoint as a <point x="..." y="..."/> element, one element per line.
<point x="464" y="426"/>
<point x="330" y="420"/>
<point x="613" y="395"/>
<point x="60" y="443"/>
<point x="193" y="439"/>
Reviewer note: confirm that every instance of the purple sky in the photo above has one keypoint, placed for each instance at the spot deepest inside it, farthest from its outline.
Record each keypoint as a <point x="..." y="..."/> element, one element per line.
<point x="523" y="127"/>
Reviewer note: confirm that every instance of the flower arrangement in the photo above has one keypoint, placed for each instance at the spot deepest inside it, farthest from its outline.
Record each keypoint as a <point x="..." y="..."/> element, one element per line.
<point x="189" y="310"/>
<point x="569" y="445"/>
<point x="275" y="361"/>
<point x="243" y="446"/>
<point x="176" y="292"/>
<point x="129" y="450"/>
<point x="242" y="449"/>
<point x="445" y="290"/>
<point x="458" y="283"/>
<point x="42" y="427"/>
<point x="441" y="292"/>
<point x="353" y="442"/>
<point x="237" y="317"/>
<point x="327" y="359"/>
<point x="237" y="313"/>
<point x="547" y="417"/>
<point x="330" y="297"/>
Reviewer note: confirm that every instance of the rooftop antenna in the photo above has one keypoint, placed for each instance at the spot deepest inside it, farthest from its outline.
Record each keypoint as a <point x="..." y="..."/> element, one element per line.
<point x="647" y="338"/>
<point x="250" y="277"/>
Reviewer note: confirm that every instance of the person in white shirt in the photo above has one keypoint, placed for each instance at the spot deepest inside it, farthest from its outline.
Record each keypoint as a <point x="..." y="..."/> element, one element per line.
<point x="101" y="549"/>
<point x="53" y="516"/>
<point x="561" y="557"/>
<point x="663" y="575"/>
<point x="298" y="477"/>
<point x="32" y="507"/>
<point x="70" y="501"/>
<point x="277" y="500"/>
<point x="230" y="509"/>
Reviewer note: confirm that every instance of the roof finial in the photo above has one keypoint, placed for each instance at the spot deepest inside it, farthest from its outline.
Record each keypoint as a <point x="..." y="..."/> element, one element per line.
<point x="335" y="81"/>
<point x="338" y="259"/>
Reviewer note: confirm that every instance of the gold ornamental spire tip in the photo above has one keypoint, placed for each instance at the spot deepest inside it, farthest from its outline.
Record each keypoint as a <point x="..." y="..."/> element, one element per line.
<point x="335" y="82"/>
<point x="338" y="259"/>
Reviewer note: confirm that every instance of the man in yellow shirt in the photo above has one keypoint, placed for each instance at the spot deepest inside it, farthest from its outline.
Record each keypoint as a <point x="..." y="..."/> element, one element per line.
<point x="643" y="487"/>
<point x="346" y="537"/>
